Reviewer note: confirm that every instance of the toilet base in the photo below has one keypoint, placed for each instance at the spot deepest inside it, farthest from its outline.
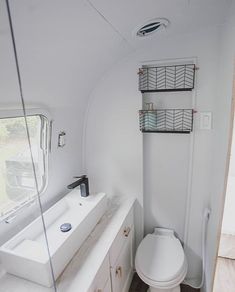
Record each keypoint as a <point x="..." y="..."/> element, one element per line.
<point x="175" y="289"/>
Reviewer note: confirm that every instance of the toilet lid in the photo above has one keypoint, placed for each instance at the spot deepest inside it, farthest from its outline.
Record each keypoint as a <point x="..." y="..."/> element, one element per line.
<point x="160" y="258"/>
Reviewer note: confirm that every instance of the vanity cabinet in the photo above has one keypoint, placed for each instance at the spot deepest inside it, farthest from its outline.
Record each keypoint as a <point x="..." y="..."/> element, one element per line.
<point x="107" y="287"/>
<point x="122" y="271"/>
<point x="104" y="263"/>
<point x="121" y="256"/>
<point x="102" y="283"/>
<point x="115" y="273"/>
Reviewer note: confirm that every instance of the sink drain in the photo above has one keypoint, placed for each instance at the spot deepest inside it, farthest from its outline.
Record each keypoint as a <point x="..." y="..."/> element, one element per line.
<point x="65" y="227"/>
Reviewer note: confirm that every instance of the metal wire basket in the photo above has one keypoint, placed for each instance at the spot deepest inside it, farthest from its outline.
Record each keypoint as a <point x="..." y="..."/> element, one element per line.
<point x="167" y="78"/>
<point x="166" y="121"/>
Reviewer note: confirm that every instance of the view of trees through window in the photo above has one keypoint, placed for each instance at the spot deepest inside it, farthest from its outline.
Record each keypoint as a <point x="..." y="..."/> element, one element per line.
<point x="17" y="183"/>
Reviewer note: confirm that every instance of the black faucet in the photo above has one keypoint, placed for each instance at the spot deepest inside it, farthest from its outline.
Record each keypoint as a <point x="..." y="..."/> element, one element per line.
<point x="83" y="183"/>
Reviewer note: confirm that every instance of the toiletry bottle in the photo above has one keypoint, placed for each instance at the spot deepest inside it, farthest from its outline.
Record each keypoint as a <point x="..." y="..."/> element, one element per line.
<point x="150" y="118"/>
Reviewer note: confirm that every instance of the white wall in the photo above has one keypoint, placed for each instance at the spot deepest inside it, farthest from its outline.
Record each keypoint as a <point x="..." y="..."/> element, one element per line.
<point x="114" y="143"/>
<point x="60" y="67"/>
<point x="222" y="109"/>
<point x="228" y="224"/>
<point x="113" y="148"/>
<point x="60" y="64"/>
<point x="166" y="168"/>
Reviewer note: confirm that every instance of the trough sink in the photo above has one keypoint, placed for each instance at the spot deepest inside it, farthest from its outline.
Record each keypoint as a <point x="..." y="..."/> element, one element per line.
<point x="25" y="255"/>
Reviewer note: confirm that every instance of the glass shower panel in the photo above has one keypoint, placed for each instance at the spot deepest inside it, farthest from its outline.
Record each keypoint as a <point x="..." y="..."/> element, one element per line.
<point x="25" y="262"/>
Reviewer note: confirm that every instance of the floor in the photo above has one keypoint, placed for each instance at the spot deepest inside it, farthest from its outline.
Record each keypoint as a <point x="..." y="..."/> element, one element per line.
<point x="138" y="285"/>
<point x="227" y="246"/>
<point x="225" y="268"/>
<point x="224" y="275"/>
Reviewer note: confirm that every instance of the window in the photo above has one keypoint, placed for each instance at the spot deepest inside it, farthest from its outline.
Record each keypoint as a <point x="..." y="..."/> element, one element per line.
<point x="17" y="181"/>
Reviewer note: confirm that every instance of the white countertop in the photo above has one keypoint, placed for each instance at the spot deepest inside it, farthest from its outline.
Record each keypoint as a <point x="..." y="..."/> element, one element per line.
<point x="82" y="269"/>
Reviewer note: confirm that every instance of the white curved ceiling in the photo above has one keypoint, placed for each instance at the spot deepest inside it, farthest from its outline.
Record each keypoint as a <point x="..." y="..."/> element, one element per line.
<point x="65" y="46"/>
<point x="185" y="16"/>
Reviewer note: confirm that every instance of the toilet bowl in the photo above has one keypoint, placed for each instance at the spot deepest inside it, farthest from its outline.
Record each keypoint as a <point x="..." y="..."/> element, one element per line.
<point x="160" y="261"/>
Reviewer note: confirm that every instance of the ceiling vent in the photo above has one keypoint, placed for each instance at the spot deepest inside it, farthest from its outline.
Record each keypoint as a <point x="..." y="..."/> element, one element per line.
<point x="152" y="26"/>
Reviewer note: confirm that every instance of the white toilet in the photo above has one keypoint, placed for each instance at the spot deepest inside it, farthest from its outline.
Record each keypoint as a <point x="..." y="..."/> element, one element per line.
<point x="160" y="261"/>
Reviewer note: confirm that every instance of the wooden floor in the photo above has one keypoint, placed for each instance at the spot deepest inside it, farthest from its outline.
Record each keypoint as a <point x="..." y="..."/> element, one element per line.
<point x="227" y="246"/>
<point x="138" y="285"/>
<point x="224" y="275"/>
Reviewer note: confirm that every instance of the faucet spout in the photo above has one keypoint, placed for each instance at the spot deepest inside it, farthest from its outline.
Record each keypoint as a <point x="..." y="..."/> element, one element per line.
<point x="83" y="183"/>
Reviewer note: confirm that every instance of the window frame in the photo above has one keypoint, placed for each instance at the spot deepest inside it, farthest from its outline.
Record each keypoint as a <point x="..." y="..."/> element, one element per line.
<point x="45" y="126"/>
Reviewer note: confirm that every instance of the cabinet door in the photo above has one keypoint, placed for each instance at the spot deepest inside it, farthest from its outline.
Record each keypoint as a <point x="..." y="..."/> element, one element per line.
<point x="121" y="238"/>
<point x="101" y="283"/>
<point x="122" y="271"/>
<point x="107" y="287"/>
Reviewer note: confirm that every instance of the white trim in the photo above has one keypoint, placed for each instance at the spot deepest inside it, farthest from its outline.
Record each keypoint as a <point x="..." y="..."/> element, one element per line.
<point x="179" y="61"/>
<point x="18" y="112"/>
<point x="191" y="162"/>
<point x="170" y="61"/>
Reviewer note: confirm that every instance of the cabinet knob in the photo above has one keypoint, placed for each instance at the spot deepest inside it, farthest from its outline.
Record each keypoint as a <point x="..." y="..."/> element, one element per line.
<point x="119" y="272"/>
<point x="126" y="231"/>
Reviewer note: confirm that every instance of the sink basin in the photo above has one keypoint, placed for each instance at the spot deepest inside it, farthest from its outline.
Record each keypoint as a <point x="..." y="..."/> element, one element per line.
<point x="26" y="256"/>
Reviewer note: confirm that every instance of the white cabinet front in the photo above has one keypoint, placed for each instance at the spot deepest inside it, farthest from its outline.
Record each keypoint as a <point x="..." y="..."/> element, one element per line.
<point x="121" y="272"/>
<point x="101" y="283"/>
<point x="107" y="287"/>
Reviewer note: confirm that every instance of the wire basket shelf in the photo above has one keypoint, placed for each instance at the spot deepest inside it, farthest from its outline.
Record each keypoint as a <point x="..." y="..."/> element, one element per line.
<point x="166" y="121"/>
<point x="167" y="78"/>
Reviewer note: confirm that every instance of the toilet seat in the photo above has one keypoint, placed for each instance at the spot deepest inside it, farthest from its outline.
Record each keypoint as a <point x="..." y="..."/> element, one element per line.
<point x="160" y="261"/>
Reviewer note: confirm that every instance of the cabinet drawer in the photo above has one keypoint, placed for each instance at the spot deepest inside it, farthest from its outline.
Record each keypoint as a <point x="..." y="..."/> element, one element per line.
<point x="101" y="283"/>
<point x="122" y="271"/>
<point x="121" y="238"/>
